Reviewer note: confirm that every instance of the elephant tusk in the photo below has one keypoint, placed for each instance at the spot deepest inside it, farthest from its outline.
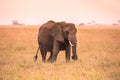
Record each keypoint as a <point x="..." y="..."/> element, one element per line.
<point x="71" y="43"/>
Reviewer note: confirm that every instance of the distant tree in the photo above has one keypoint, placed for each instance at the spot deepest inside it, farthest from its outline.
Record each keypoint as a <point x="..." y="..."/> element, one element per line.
<point x="115" y="24"/>
<point x="15" y="22"/>
<point x="118" y="22"/>
<point x="92" y="22"/>
<point x="81" y="24"/>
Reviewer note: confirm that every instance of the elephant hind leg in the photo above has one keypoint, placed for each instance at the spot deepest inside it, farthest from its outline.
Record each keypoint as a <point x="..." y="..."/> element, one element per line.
<point x="43" y="54"/>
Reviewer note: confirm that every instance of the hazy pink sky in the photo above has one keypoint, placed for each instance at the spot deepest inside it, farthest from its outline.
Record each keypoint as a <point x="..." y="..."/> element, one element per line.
<point x="76" y="11"/>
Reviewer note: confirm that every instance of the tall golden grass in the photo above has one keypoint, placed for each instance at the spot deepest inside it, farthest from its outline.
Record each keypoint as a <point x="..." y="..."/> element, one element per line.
<point x="98" y="53"/>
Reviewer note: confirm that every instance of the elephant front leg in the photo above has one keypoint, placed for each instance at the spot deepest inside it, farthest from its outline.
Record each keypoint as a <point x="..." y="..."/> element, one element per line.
<point x="55" y="50"/>
<point x="50" y="58"/>
<point x="68" y="53"/>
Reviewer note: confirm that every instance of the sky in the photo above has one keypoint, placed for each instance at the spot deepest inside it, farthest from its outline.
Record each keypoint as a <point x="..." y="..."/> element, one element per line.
<point x="76" y="11"/>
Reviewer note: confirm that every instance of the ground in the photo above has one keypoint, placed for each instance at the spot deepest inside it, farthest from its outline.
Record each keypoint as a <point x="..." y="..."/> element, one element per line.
<point x="98" y="55"/>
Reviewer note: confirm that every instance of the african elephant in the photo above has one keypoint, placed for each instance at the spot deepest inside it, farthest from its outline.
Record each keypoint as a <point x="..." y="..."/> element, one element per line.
<point x="56" y="36"/>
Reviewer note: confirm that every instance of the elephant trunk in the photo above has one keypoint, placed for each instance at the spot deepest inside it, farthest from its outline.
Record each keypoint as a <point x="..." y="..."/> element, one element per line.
<point x="74" y="55"/>
<point x="73" y="43"/>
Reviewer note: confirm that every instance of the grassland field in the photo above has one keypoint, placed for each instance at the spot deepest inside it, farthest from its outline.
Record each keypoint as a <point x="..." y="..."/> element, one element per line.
<point x="98" y="53"/>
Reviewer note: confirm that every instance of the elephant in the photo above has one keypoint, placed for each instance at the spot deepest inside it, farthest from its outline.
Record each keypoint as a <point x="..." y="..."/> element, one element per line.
<point x="54" y="37"/>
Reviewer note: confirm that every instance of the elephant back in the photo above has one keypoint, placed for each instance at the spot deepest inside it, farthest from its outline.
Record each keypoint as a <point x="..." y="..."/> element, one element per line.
<point x="48" y="24"/>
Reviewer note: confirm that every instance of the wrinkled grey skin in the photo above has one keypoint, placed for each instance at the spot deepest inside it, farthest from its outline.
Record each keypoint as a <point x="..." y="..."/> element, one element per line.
<point x="54" y="37"/>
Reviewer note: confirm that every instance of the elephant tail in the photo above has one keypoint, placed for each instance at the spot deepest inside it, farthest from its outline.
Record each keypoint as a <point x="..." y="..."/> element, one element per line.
<point x="36" y="56"/>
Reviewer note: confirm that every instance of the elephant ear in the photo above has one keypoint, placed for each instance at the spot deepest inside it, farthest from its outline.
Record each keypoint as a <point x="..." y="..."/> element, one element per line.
<point x="56" y="32"/>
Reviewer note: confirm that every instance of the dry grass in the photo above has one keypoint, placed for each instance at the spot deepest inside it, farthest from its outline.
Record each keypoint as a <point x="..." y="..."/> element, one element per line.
<point x="99" y="56"/>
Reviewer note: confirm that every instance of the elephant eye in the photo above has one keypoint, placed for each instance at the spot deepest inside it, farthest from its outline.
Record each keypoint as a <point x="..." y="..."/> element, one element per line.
<point x="67" y="32"/>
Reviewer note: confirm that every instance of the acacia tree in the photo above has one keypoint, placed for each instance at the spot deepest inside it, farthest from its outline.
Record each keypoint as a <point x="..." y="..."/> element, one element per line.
<point x="15" y="22"/>
<point x="118" y="22"/>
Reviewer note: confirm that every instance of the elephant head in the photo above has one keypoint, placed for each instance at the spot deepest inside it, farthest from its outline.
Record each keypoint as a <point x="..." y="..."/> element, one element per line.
<point x="70" y="34"/>
<point x="62" y="31"/>
<point x="70" y="31"/>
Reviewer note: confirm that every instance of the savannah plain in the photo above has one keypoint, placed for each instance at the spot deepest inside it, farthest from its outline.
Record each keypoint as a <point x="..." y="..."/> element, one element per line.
<point x="98" y="55"/>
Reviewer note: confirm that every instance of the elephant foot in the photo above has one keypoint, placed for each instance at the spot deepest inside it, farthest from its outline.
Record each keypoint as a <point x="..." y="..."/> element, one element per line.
<point x="49" y="60"/>
<point x="74" y="57"/>
<point x="44" y="61"/>
<point x="67" y="61"/>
